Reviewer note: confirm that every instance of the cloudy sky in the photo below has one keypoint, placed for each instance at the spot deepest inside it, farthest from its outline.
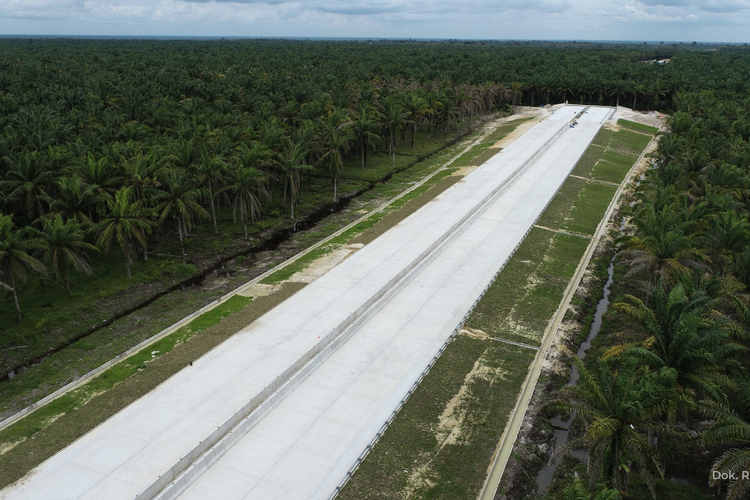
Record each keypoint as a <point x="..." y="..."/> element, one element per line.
<point x="653" y="20"/>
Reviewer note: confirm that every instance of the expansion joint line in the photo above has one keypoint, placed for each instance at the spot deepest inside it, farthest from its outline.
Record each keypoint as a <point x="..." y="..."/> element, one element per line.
<point x="519" y="344"/>
<point x="595" y="181"/>
<point x="569" y="233"/>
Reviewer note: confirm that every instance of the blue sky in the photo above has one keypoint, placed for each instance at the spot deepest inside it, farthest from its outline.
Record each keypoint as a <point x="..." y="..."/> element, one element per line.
<point x="654" y="20"/>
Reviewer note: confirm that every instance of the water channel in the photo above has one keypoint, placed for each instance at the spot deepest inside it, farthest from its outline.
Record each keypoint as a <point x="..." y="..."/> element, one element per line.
<point x="562" y="427"/>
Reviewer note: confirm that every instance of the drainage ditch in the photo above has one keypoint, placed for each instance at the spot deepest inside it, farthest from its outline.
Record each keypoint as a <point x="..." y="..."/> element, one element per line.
<point x="562" y="427"/>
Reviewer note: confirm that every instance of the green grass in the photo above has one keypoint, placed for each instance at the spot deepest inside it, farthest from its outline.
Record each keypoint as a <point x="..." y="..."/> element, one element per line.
<point x="485" y="156"/>
<point x="468" y="157"/>
<point x="528" y="290"/>
<point x="638" y="127"/>
<point x="603" y="137"/>
<point x="455" y="470"/>
<point x="557" y="211"/>
<point x="505" y="129"/>
<point x="38" y="420"/>
<point x="610" y="172"/>
<point x="46" y="305"/>
<point x="630" y="142"/>
<point x="587" y="162"/>
<point x="589" y="208"/>
<point x="625" y="160"/>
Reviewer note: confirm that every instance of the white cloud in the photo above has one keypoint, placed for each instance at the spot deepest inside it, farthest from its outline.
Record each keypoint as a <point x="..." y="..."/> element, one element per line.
<point x="712" y="20"/>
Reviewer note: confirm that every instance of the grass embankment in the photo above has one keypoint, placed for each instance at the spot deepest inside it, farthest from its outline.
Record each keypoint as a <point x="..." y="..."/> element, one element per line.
<point x="533" y="283"/>
<point x="443" y="439"/>
<point x="637" y="127"/>
<point x="81" y="410"/>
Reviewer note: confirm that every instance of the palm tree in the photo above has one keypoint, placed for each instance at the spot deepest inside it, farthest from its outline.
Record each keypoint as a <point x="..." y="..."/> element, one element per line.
<point x="516" y="92"/>
<point x="141" y="173"/>
<point x="73" y="200"/>
<point x="15" y="246"/>
<point x="394" y="119"/>
<point x="183" y="154"/>
<point x="416" y="107"/>
<point x="66" y="248"/>
<point x="292" y="161"/>
<point x="178" y="199"/>
<point x="338" y="140"/>
<point x="617" y="407"/>
<point x="578" y="491"/>
<point x="101" y="176"/>
<point x="211" y="171"/>
<point x="681" y="335"/>
<point x="730" y="429"/>
<point x="618" y="91"/>
<point x="364" y="130"/>
<point x="245" y="184"/>
<point x="727" y="235"/>
<point x="26" y="182"/>
<point x="125" y="222"/>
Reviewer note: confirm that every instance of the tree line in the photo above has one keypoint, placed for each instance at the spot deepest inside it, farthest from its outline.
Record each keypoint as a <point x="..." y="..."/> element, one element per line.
<point x="95" y="165"/>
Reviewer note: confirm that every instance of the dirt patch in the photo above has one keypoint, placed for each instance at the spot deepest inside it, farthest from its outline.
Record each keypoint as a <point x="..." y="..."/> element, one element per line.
<point x="650" y="118"/>
<point x="409" y="208"/>
<point x="474" y="333"/>
<point x="455" y="424"/>
<point x="259" y="290"/>
<point x="319" y="267"/>
<point x="63" y="431"/>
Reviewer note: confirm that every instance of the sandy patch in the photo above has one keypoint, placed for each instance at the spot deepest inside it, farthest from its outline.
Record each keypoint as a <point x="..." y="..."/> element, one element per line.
<point x="319" y="267"/>
<point x="651" y="118"/>
<point x="474" y="333"/>
<point x="450" y="429"/>
<point x="6" y="447"/>
<point x="464" y="171"/>
<point x="259" y="290"/>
